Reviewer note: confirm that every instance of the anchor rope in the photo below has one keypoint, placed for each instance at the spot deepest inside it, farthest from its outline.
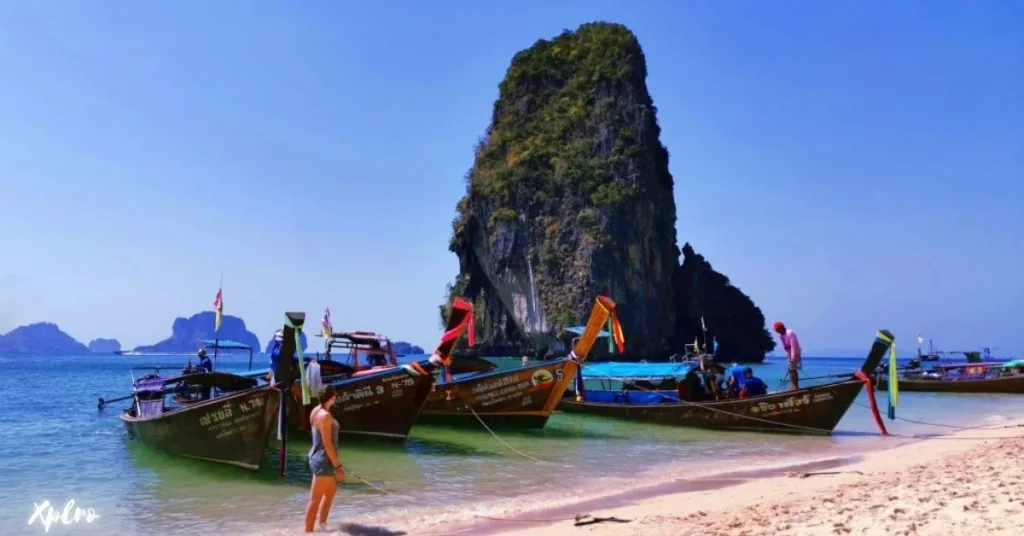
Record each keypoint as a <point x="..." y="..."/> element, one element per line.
<point x="503" y="442"/>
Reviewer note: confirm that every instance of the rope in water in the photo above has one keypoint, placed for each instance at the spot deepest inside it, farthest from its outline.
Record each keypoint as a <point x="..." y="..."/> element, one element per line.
<point x="942" y="425"/>
<point x="503" y="442"/>
<point x="364" y="481"/>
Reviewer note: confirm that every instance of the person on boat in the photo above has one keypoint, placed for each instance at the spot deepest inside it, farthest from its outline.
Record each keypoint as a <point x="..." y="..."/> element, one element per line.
<point x="690" y="388"/>
<point x="791" y="344"/>
<point x="275" y="356"/>
<point x="735" y="381"/>
<point x="205" y="365"/>
<point x="323" y="459"/>
<point x="375" y="357"/>
<point x="752" y="385"/>
<point x="714" y="379"/>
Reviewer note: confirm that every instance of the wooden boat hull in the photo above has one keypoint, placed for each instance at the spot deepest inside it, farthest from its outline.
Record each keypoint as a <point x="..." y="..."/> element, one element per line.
<point x="1006" y="385"/>
<point x="231" y="429"/>
<point x="812" y="410"/>
<point x="383" y="405"/>
<point x="524" y="397"/>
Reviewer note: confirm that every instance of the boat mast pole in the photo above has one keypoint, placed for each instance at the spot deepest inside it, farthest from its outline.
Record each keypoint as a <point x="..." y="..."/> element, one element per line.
<point x="216" y="332"/>
<point x="286" y="378"/>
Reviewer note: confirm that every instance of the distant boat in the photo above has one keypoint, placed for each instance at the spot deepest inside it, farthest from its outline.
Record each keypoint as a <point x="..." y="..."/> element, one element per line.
<point x="932" y="355"/>
<point x="1005" y="377"/>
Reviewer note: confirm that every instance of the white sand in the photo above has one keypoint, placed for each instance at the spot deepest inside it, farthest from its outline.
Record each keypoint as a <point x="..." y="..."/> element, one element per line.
<point x="969" y="483"/>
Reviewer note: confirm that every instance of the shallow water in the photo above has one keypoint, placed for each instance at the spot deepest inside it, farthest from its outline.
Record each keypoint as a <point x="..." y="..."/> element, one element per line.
<point x="56" y="446"/>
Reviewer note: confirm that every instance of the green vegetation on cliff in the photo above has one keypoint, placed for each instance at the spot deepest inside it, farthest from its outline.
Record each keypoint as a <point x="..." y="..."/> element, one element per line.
<point x="550" y="122"/>
<point x="570" y="196"/>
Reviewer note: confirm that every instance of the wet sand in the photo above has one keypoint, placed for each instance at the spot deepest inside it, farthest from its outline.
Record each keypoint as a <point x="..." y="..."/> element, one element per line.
<point x="969" y="482"/>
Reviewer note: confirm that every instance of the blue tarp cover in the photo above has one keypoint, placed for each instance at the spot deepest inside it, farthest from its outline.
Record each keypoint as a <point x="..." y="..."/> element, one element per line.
<point x="631" y="397"/>
<point x="636" y="371"/>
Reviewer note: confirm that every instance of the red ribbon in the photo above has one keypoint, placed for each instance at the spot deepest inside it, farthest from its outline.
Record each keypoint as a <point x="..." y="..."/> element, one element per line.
<point x="870" y="386"/>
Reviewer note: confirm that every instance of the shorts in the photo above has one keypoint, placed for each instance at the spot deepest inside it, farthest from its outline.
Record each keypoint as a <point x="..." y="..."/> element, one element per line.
<point x="320" y="465"/>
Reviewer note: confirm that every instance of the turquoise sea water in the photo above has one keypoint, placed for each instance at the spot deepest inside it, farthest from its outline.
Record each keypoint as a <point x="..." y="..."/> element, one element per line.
<point x="57" y="446"/>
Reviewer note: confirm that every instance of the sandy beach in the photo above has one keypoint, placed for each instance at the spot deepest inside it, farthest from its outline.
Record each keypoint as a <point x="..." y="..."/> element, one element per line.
<point x="969" y="482"/>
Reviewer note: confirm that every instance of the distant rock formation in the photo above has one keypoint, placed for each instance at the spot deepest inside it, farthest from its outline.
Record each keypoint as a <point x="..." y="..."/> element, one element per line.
<point x="302" y="339"/>
<point x="187" y="334"/>
<point x="570" y="196"/>
<point x="40" y="338"/>
<point x="402" y="347"/>
<point x="728" y="313"/>
<point x="104" y="346"/>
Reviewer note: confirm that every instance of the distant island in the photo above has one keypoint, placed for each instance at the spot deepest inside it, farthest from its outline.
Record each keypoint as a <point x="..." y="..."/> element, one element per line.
<point x="570" y="196"/>
<point x="404" y="348"/>
<point x="104" y="346"/>
<point x="40" y="338"/>
<point x="187" y="334"/>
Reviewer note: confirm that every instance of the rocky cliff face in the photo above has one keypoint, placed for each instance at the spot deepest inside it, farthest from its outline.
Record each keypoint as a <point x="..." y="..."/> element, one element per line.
<point x="104" y="346"/>
<point x="728" y="314"/>
<point x="187" y="334"/>
<point x="40" y="338"/>
<point x="570" y="196"/>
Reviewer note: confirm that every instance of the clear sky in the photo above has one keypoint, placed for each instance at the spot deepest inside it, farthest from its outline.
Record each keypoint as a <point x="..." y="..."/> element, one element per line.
<point x="850" y="165"/>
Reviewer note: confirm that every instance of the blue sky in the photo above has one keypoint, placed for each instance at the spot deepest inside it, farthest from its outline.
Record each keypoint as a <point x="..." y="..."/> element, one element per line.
<point x="850" y="165"/>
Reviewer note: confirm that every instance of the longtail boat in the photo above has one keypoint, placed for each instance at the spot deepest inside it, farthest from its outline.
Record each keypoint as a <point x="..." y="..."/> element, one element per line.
<point x="377" y="397"/>
<point x="982" y="377"/>
<point x="470" y="390"/>
<point x="231" y="427"/>
<point x="650" y="393"/>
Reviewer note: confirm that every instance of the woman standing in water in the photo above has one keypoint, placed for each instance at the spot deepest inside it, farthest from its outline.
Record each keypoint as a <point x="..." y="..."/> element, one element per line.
<point x="323" y="459"/>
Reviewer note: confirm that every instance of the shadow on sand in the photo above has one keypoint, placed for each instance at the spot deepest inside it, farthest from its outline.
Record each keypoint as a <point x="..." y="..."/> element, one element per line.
<point x="356" y="529"/>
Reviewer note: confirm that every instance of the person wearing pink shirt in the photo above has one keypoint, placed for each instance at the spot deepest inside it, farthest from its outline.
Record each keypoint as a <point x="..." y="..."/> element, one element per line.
<point x="791" y="344"/>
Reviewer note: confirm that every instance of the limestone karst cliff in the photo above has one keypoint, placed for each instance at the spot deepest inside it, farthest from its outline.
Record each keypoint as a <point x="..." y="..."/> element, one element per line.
<point x="187" y="334"/>
<point x="728" y="314"/>
<point x="40" y="338"/>
<point x="104" y="346"/>
<point x="569" y="196"/>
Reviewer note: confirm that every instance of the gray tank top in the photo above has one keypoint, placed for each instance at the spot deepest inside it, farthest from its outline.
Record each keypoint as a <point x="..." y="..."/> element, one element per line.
<point x="317" y="450"/>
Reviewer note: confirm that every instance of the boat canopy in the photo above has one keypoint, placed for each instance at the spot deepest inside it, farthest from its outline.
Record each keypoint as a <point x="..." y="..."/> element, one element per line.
<point x="361" y="337"/>
<point x="226" y="345"/>
<point x="1014" y="364"/>
<point x="954" y="366"/>
<point x="637" y="371"/>
<point x="221" y="380"/>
